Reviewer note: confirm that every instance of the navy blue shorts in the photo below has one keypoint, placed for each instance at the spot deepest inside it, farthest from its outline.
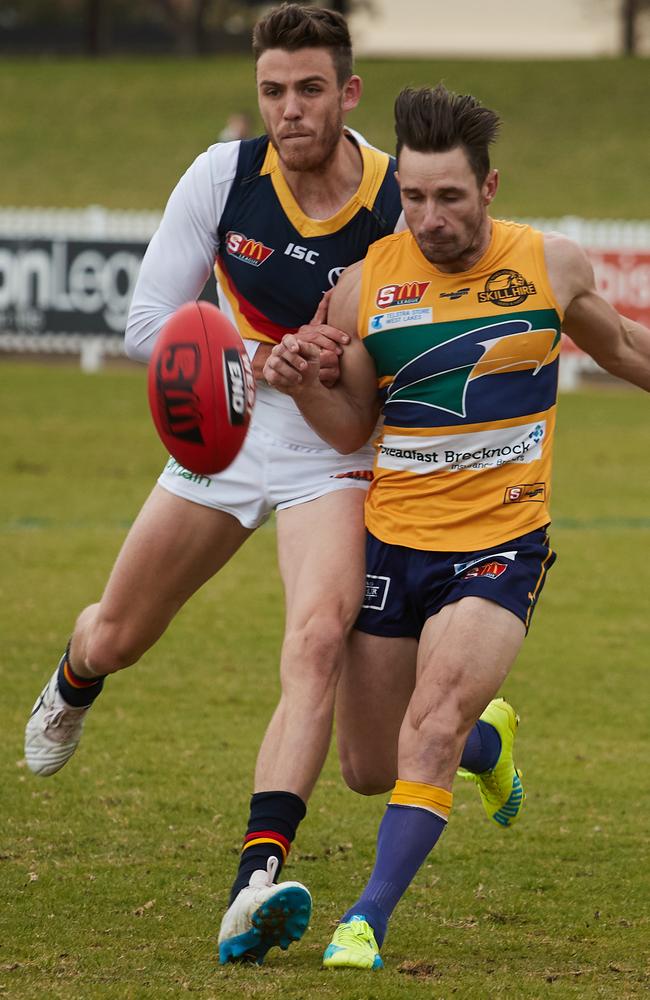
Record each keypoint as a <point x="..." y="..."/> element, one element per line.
<point x="406" y="586"/>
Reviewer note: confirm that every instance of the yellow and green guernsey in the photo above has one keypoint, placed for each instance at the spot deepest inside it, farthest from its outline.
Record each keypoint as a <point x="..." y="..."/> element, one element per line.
<point x="467" y="367"/>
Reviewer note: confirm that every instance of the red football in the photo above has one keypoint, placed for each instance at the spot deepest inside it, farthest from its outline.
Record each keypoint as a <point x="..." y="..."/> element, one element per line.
<point x="201" y="388"/>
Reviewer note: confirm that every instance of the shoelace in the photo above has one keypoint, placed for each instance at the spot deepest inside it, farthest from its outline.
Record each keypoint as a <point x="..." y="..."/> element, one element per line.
<point x="490" y="780"/>
<point x="490" y="783"/>
<point x="487" y="779"/>
<point x="62" y="721"/>
<point x="353" y="933"/>
<point x="271" y="869"/>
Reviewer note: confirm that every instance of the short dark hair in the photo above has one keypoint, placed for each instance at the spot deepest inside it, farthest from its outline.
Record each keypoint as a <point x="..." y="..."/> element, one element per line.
<point x="434" y="120"/>
<point x="293" y="27"/>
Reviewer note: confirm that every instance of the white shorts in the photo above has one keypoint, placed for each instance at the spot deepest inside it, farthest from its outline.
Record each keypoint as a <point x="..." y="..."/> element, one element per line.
<point x="270" y="473"/>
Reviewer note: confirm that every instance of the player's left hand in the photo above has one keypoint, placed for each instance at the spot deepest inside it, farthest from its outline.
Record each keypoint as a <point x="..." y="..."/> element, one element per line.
<point x="293" y="364"/>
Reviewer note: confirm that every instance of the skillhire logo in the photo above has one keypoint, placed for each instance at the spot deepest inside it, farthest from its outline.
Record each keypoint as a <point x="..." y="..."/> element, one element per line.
<point x="409" y="293"/>
<point x="246" y="249"/>
<point x="507" y="288"/>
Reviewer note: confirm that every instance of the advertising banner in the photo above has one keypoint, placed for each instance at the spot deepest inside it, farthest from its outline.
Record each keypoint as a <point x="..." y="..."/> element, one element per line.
<point x="67" y="276"/>
<point x="623" y="278"/>
<point x="68" y="286"/>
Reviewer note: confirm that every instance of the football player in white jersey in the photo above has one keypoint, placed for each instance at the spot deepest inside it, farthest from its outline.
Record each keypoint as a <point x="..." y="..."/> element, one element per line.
<point x="186" y="531"/>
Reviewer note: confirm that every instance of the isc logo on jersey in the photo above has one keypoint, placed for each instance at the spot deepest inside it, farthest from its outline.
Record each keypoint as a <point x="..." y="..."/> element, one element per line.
<point x="409" y="293"/>
<point x="246" y="249"/>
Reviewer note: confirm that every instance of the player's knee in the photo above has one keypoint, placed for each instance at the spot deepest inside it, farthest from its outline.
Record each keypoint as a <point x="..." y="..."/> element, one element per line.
<point x="317" y="645"/>
<point x="440" y="724"/>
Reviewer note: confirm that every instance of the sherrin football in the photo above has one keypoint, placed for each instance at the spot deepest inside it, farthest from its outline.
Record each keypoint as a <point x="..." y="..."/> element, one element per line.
<point x="201" y="388"/>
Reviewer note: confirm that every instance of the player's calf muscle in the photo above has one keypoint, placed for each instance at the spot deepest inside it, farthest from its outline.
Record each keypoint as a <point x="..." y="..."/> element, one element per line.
<point x="366" y="777"/>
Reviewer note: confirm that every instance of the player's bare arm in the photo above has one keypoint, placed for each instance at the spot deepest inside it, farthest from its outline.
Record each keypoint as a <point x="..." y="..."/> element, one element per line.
<point x="616" y="343"/>
<point x="344" y="415"/>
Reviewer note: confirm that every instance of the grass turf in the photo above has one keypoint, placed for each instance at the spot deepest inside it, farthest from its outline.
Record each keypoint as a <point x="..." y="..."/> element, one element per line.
<point x="120" y="132"/>
<point x="115" y="872"/>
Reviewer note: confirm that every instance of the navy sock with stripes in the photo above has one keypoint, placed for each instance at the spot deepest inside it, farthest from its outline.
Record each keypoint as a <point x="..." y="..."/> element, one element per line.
<point x="272" y="824"/>
<point x="79" y="692"/>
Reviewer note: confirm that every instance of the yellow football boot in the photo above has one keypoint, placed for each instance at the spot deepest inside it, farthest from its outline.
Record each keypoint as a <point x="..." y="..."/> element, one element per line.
<point x="353" y="946"/>
<point x="501" y="790"/>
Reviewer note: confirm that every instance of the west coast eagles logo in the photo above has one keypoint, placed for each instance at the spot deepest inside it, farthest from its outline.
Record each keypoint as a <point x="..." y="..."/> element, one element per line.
<point x="440" y="376"/>
<point x="506" y="288"/>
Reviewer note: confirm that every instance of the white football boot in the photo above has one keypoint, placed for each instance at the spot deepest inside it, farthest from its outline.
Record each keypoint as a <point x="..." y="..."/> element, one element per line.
<point x="262" y="915"/>
<point x="53" y="731"/>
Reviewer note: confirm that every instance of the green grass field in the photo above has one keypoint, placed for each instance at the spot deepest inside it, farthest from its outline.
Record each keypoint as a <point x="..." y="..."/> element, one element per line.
<point x="120" y="132"/>
<point x="115" y="872"/>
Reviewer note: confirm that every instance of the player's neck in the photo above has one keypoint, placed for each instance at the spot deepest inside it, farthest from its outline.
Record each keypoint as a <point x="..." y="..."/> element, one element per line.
<point x="323" y="192"/>
<point x="474" y="252"/>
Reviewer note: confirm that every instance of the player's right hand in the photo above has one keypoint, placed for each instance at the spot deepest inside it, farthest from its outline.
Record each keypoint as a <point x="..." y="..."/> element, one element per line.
<point x="329" y="339"/>
<point x="293" y="364"/>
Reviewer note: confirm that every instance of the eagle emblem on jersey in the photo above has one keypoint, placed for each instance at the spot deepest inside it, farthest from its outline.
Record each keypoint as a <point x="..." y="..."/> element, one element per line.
<point x="440" y="376"/>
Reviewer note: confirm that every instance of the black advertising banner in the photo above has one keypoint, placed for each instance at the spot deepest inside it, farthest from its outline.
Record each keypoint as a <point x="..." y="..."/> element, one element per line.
<point x="59" y="285"/>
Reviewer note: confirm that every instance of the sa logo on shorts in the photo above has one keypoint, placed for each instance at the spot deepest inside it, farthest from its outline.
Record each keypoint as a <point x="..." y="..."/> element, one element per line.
<point x="490" y="569"/>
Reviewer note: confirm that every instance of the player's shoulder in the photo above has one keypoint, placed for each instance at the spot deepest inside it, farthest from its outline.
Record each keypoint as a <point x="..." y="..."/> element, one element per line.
<point x="563" y="253"/>
<point x="349" y="277"/>
<point x="563" y="247"/>
<point x="348" y="282"/>
<point x="215" y="165"/>
<point x="568" y="267"/>
<point x="383" y="163"/>
<point x="223" y="161"/>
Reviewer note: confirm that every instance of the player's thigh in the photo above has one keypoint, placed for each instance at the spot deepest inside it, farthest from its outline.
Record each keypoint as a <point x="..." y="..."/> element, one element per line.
<point x="374" y="690"/>
<point x="321" y="554"/>
<point x="173" y="547"/>
<point x="465" y="653"/>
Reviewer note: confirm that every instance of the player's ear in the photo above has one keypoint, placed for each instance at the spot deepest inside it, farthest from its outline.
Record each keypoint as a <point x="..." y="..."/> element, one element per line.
<point x="352" y="91"/>
<point x="490" y="186"/>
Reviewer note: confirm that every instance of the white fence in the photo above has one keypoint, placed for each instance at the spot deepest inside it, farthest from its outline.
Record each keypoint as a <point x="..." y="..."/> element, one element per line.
<point x="93" y="222"/>
<point x="67" y="276"/>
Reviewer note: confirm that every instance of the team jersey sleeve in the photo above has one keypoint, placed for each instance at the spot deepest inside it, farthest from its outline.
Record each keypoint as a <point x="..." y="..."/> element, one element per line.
<point x="180" y="256"/>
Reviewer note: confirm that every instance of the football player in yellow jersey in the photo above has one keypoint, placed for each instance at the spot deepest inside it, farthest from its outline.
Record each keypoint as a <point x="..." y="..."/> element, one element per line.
<point x="468" y="402"/>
